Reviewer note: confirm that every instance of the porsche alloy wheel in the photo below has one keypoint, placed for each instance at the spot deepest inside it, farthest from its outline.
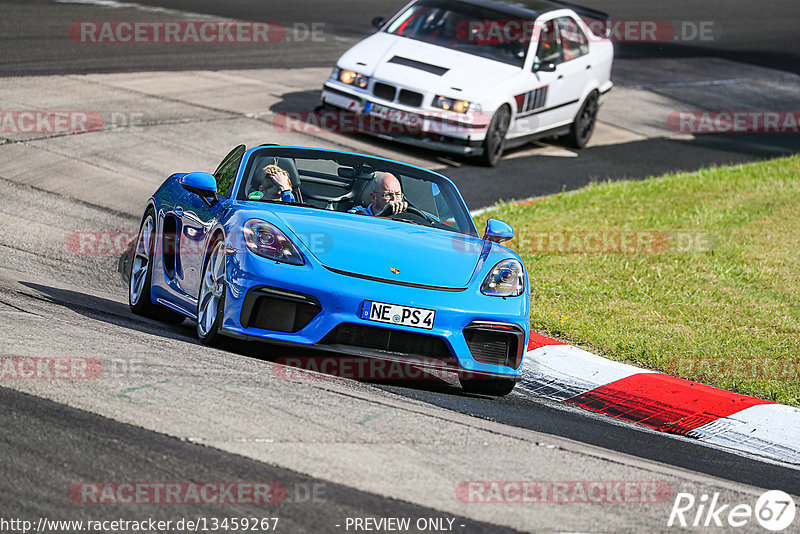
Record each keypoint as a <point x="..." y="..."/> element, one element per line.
<point x="141" y="275"/>
<point x="583" y="126"/>
<point x="495" y="141"/>
<point x="142" y="261"/>
<point x="211" y="300"/>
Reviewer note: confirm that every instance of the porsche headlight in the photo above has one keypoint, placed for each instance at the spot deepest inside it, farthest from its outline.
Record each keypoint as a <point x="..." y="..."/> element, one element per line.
<point x="507" y="279"/>
<point x="451" y="104"/>
<point x="265" y="240"/>
<point x="353" y="78"/>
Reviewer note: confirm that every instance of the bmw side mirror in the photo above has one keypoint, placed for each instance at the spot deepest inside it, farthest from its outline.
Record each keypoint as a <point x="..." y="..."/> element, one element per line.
<point x="544" y="67"/>
<point x="498" y="231"/>
<point x="202" y="184"/>
<point x="378" y="22"/>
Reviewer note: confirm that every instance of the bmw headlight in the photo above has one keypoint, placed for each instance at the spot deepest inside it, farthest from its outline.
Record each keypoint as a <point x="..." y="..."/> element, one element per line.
<point x="506" y="279"/>
<point x="451" y="104"/>
<point x="265" y="240"/>
<point x="353" y="78"/>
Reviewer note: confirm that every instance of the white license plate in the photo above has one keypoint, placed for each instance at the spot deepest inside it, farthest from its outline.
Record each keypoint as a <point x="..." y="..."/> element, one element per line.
<point x="394" y="314"/>
<point x="394" y="115"/>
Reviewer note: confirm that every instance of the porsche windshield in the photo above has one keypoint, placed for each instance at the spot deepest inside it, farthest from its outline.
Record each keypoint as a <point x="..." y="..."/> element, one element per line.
<point x="357" y="185"/>
<point x="467" y="28"/>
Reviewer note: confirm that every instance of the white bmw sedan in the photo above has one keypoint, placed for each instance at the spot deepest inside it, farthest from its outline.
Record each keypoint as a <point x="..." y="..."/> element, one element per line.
<point x="475" y="77"/>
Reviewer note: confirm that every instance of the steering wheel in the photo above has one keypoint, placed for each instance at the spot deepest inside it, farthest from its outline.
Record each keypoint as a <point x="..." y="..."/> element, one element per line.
<point x="410" y="209"/>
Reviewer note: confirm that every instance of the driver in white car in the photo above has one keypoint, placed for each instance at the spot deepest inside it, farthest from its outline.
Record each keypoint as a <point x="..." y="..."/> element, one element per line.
<point x="386" y="195"/>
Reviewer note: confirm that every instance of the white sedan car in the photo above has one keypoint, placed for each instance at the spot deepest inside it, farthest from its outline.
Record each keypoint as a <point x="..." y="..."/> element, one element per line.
<point x="475" y="77"/>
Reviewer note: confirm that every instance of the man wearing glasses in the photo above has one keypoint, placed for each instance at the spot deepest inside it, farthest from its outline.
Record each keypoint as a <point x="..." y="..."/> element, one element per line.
<point x="386" y="195"/>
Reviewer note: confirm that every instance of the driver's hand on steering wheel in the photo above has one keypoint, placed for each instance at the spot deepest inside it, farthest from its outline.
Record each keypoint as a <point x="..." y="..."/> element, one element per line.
<point x="395" y="206"/>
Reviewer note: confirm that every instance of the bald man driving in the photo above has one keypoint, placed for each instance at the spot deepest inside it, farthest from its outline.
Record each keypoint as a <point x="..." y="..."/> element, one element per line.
<point x="386" y="196"/>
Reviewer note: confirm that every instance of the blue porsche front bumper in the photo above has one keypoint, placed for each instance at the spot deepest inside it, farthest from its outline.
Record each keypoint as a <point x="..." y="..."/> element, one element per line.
<point x="315" y="305"/>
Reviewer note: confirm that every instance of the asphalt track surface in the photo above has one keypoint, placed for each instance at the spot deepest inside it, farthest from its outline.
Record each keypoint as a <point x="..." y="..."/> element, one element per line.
<point x="762" y="34"/>
<point x="47" y="445"/>
<point x="92" y="448"/>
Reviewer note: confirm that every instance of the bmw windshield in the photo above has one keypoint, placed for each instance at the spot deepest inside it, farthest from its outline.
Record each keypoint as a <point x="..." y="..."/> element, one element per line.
<point x="462" y="27"/>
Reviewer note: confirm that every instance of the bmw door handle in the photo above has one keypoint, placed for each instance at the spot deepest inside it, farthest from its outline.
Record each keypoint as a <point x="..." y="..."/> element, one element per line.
<point x="560" y="76"/>
<point x="588" y="67"/>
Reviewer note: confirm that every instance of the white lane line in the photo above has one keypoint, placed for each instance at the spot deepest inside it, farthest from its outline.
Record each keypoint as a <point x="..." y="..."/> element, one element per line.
<point x="115" y="4"/>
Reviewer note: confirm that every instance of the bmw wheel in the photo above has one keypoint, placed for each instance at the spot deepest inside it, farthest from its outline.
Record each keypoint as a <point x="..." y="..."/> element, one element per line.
<point x="141" y="275"/>
<point x="495" y="141"/>
<point x="583" y="125"/>
<point x="211" y="300"/>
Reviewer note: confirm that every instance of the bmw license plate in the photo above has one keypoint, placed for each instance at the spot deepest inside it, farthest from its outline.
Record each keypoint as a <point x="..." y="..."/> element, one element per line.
<point x="394" y="115"/>
<point x="394" y="314"/>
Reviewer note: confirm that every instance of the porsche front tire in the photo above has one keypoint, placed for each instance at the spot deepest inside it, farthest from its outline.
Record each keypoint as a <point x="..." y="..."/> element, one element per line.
<point x="211" y="298"/>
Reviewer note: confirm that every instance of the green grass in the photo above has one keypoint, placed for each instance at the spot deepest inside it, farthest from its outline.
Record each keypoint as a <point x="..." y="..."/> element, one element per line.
<point x="713" y="292"/>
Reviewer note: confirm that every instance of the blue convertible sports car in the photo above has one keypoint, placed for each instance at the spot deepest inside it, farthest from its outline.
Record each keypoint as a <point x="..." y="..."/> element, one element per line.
<point x="420" y="286"/>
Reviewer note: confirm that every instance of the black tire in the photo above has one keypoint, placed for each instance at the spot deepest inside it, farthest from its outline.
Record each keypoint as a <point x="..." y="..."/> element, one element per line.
<point x="141" y="274"/>
<point x="493" y="387"/>
<point x="583" y="125"/>
<point x="208" y="331"/>
<point x="495" y="142"/>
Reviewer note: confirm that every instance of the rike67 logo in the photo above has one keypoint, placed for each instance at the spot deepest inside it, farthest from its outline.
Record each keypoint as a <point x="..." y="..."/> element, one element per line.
<point x="774" y="510"/>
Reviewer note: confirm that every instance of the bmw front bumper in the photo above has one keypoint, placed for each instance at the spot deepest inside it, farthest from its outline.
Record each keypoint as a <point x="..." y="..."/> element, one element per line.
<point x="445" y="135"/>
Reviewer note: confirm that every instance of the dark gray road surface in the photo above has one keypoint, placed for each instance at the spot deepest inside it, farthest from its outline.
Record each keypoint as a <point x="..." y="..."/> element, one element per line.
<point x="34" y="33"/>
<point x="54" y="447"/>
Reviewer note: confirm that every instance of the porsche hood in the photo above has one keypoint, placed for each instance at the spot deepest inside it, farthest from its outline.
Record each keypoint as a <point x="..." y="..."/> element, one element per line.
<point x="386" y="249"/>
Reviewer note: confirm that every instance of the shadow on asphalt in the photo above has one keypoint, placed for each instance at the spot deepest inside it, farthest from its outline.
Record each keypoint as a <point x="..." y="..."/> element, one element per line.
<point x="305" y="363"/>
<point x="538" y="175"/>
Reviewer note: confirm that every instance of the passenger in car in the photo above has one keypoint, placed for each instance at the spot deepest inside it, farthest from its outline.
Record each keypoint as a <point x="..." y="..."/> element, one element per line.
<point x="276" y="184"/>
<point x="387" y="197"/>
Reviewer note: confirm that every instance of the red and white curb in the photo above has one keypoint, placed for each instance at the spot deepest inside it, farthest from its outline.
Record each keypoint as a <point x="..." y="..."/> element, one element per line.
<point x="568" y="374"/>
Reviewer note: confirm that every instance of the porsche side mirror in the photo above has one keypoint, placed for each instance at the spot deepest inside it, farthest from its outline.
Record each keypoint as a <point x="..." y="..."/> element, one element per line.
<point x="498" y="231"/>
<point x="378" y="22"/>
<point x="202" y="184"/>
<point x="544" y="67"/>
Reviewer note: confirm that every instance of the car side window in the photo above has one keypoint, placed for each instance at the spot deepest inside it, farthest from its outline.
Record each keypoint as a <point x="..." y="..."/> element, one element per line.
<point x="226" y="171"/>
<point x="573" y="41"/>
<point x="549" y="49"/>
